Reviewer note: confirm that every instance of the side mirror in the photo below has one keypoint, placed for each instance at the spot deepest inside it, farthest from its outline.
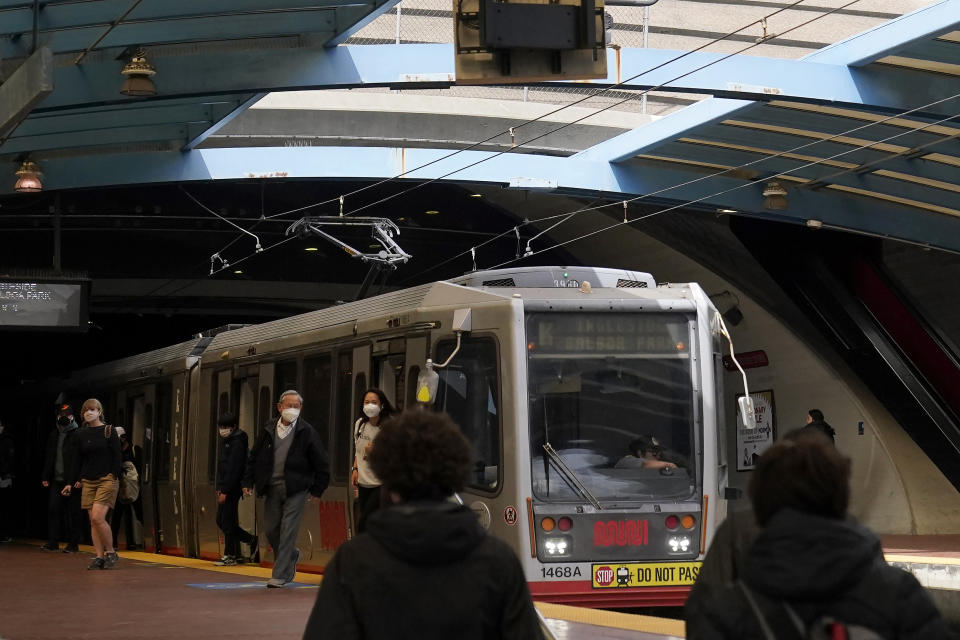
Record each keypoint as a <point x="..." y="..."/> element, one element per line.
<point x="427" y="382"/>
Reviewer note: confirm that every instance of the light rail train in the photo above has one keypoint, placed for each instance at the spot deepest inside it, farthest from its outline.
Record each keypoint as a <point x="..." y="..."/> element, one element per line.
<point x="550" y="372"/>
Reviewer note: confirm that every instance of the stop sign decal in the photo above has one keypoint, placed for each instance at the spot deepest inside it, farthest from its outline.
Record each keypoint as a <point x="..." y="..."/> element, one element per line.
<point x="604" y="576"/>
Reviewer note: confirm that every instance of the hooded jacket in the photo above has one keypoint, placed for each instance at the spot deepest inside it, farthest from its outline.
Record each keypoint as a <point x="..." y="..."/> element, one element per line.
<point x="822" y="567"/>
<point x="423" y="570"/>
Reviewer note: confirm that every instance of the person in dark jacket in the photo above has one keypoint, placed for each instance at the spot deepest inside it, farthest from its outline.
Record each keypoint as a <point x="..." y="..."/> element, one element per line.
<point x="64" y="516"/>
<point x="6" y="484"/>
<point x="813" y="561"/>
<point x="99" y="464"/>
<point x="286" y="464"/>
<point x="815" y="421"/>
<point x="424" y="568"/>
<point x="231" y="462"/>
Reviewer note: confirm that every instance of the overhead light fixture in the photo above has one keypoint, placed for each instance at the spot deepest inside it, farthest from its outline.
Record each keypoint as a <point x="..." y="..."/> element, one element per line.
<point x="28" y="178"/>
<point x="776" y="196"/>
<point x="432" y="212"/>
<point x="238" y="271"/>
<point x="727" y="211"/>
<point x="311" y="249"/>
<point x="814" y="224"/>
<point x="476" y="195"/>
<point x="138" y="74"/>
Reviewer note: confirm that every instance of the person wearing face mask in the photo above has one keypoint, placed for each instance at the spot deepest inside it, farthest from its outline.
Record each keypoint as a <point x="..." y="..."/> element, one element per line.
<point x="287" y="463"/>
<point x="99" y="463"/>
<point x="6" y="484"/>
<point x="376" y="410"/>
<point x="64" y="516"/>
<point x="230" y="466"/>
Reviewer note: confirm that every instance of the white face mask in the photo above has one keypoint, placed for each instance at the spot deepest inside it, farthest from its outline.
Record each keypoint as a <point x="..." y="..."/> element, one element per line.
<point x="91" y="415"/>
<point x="371" y="410"/>
<point x="225" y="432"/>
<point x="290" y="414"/>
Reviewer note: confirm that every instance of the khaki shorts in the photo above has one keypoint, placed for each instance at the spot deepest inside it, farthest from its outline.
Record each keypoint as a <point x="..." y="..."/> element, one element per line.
<point x="103" y="491"/>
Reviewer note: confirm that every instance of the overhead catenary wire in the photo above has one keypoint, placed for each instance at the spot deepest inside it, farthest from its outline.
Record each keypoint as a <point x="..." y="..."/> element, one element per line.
<point x="568" y="214"/>
<point x="511" y="130"/>
<point x="497" y="154"/>
<point x="725" y="191"/>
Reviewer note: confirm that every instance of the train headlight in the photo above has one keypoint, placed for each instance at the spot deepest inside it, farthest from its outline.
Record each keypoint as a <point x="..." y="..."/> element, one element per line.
<point x="557" y="546"/>
<point x="678" y="544"/>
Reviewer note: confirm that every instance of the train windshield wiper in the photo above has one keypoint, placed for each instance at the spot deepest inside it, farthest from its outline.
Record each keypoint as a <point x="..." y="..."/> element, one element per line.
<point x="570" y="476"/>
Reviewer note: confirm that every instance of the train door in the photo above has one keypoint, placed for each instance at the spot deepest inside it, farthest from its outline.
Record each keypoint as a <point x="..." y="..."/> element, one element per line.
<point x="139" y="422"/>
<point x="215" y="398"/>
<point x="247" y="401"/>
<point x="169" y="481"/>
<point x="351" y="403"/>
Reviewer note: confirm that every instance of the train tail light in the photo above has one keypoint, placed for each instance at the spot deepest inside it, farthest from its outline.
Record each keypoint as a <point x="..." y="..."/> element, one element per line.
<point x="565" y="524"/>
<point x="672" y="522"/>
<point x="555" y="547"/>
<point x="687" y="522"/>
<point x="547" y="524"/>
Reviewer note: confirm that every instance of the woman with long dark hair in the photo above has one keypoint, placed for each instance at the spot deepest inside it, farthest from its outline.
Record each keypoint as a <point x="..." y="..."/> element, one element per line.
<point x="376" y="410"/>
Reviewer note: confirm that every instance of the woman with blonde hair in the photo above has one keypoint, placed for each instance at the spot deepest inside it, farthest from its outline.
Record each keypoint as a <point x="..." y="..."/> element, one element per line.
<point x="99" y="463"/>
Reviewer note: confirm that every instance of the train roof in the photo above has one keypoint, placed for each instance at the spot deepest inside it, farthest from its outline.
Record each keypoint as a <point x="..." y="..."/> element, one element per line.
<point x="143" y="361"/>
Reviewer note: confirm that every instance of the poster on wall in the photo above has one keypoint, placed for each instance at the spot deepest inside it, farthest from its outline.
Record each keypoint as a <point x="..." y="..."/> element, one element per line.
<point x="751" y="443"/>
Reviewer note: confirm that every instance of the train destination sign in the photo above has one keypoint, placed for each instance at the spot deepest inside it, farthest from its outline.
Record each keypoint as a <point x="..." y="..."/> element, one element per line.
<point x="43" y="304"/>
<point x="561" y="333"/>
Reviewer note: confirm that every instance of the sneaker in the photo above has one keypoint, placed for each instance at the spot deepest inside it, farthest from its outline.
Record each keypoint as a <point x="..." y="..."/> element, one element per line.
<point x="110" y="560"/>
<point x="96" y="563"/>
<point x="275" y="583"/>
<point x="226" y="561"/>
<point x="71" y="548"/>
<point x="50" y="547"/>
<point x="5" y="539"/>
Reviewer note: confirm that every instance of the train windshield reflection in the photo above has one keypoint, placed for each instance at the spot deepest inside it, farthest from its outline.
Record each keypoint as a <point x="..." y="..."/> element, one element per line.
<point x="613" y="394"/>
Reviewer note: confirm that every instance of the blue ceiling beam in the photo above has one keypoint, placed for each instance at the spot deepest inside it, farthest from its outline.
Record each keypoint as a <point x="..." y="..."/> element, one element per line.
<point x="769" y="167"/>
<point x="212" y="28"/>
<point x="219" y="118"/>
<point x="24" y="89"/>
<point x="101" y="14"/>
<point x="572" y="176"/>
<point x="92" y="138"/>
<point x="358" y="22"/>
<point x="892" y="37"/>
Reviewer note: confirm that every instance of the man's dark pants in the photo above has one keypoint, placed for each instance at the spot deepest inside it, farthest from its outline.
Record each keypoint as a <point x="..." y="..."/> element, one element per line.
<point x="64" y="516"/>
<point x="229" y="522"/>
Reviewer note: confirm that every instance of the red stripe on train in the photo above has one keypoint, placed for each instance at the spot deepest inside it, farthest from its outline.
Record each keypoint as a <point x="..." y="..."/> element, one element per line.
<point x="581" y="592"/>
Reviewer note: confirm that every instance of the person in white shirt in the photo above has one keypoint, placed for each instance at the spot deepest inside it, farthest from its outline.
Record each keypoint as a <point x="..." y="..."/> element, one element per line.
<point x="376" y="410"/>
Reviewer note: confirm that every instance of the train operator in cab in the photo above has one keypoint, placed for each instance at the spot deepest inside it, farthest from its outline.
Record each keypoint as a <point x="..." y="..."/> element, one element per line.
<point x="646" y="453"/>
<point x="286" y="464"/>
<point x="424" y="568"/>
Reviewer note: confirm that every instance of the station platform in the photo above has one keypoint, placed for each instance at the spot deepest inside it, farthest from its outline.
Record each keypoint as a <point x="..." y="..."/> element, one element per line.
<point x="52" y="596"/>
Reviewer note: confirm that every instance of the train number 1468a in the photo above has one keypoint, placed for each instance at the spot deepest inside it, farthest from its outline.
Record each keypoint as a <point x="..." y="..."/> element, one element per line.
<point x="560" y="572"/>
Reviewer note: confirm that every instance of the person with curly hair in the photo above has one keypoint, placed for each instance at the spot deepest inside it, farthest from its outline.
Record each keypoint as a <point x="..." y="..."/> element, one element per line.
<point x="424" y="568"/>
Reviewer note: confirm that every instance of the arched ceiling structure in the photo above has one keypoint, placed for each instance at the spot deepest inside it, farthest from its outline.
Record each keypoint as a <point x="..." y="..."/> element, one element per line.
<point x="863" y="134"/>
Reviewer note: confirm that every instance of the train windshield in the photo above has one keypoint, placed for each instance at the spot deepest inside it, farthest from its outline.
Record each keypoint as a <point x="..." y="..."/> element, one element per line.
<point x="612" y="393"/>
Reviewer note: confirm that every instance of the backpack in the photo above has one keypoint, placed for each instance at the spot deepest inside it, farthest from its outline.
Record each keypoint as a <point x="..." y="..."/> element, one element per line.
<point x="129" y="483"/>
<point x="777" y="626"/>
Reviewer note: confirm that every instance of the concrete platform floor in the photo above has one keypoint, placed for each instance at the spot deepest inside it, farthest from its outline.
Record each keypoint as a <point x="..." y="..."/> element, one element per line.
<point x="46" y="596"/>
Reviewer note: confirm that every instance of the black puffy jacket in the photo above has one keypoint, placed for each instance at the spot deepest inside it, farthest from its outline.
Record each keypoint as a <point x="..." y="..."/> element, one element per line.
<point x="305" y="469"/>
<point x="232" y="461"/>
<point x="423" y="571"/>
<point x="822" y="567"/>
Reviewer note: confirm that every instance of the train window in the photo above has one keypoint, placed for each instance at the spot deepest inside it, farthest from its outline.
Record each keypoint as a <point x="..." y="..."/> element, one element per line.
<point x="316" y="395"/>
<point x="469" y="391"/>
<point x="613" y="394"/>
<point x="343" y="420"/>
<point x="390" y="376"/>
<point x="285" y="378"/>
<point x="162" y="436"/>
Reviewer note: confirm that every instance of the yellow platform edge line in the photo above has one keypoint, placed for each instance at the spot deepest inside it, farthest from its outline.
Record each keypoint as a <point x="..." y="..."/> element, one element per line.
<point x="613" y="619"/>
<point x="917" y="559"/>
<point x="248" y="570"/>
